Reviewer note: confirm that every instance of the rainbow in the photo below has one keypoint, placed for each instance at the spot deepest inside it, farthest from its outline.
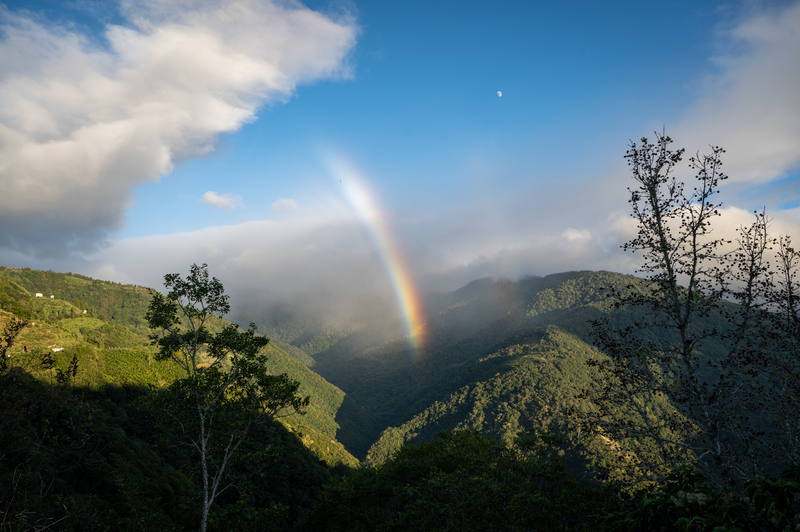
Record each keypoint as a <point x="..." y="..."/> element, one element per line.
<point x="365" y="205"/>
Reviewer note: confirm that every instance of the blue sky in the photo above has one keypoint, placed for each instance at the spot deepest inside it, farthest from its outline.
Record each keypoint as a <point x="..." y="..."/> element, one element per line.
<point x="421" y="109"/>
<point x="115" y="130"/>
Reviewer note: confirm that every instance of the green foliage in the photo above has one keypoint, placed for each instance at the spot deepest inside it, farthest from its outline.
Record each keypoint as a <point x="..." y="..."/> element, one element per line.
<point x="327" y="416"/>
<point x="327" y="338"/>
<point x="12" y="329"/>
<point x="215" y="407"/>
<point x="120" y="303"/>
<point x="503" y="357"/>
<point x="58" y="450"/>
<point x="116" y="476"/>
<point x="528" y="382"/>
<point x="686" y="500"/>
<point x="459" y="481"/>
<point x="13" y="299"/>
<point x="44" y="432"/>
<point x="294" y="352"/>
<point x="777" y="501"/>
<point x="110" y="336"/>
<point x="393" y="383"/>
<point x="97" y="457"/>
<point x="110" y="353"/>
<point x="126" y="367"/>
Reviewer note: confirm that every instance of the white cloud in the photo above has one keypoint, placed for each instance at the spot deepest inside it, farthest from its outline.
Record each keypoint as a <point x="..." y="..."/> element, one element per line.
<point x="318" y="252"/>
<point x="284" y="204"/>
<point x="207" y="249"/>
<point x="751" y="107"/>
<point x="81" y="126"/>
<point x="222" y="201"/>
<point x="109" y="272"/>
<point x="308" y="254"/>
<point x="573" y="235"/>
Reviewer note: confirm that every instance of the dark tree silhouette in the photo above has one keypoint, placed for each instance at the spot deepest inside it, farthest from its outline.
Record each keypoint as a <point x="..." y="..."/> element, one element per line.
<point x="705" y="370"/>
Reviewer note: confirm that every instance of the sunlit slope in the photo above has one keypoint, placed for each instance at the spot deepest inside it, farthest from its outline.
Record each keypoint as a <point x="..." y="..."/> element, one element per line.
<point x="520" y="372"/>
<point x="333" y="422"/>
<point x="107" y="353"/>
<point x="124" y="304"/>
<point x="110" y="353"/>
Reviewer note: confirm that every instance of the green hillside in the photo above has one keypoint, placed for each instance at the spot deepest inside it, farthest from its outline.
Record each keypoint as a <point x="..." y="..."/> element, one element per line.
<point x="375" y="386"/>
<point x="331" y="416"/>
<point x="394" y="384"/>
<point x="113" y="353"/>
<point x="526" y="383"/>
<point x="366" y="393"/>
<point x="124" y="304"/>
<point x="80" y="453"/>
<point x="502" y="358"/>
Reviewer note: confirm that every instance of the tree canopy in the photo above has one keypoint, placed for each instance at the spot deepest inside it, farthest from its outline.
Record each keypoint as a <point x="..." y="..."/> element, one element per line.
<point x="227" y="391"/>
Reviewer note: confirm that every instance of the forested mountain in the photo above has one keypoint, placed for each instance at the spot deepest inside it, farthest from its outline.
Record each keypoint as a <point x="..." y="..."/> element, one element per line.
<point x="366" y="392"/>
<point x="525" y="382"/>
<point x="394" y="383"/>
<point x="502" y="358"/>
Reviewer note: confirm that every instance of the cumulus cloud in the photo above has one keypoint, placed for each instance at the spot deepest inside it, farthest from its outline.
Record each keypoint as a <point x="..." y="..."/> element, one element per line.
<point x="81" y="125"/>
<point x="221" y="201"/>
<point x="284" y="204"/>
<point x="751" y="106"/>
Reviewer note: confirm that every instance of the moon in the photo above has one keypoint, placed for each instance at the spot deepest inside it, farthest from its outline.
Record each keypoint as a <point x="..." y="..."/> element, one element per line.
<point x="499" y="94"/>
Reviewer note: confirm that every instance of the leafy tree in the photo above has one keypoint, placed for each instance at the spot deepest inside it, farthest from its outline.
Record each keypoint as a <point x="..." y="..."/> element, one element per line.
<point x="711" y="329"/>
<point x="461" y="481"/>
<point x="227" y="390"/>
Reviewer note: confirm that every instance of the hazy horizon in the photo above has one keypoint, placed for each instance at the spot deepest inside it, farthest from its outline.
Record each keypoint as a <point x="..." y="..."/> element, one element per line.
<point x="364" y="149"/>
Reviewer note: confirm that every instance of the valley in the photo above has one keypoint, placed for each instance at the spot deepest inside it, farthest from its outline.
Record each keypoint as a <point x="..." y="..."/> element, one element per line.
<point x="502" y="359"/>
<point x="500" y="356"/>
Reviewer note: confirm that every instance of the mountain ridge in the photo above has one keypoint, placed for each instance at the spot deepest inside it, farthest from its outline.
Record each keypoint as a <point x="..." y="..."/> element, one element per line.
<point x="369" y="394"/>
